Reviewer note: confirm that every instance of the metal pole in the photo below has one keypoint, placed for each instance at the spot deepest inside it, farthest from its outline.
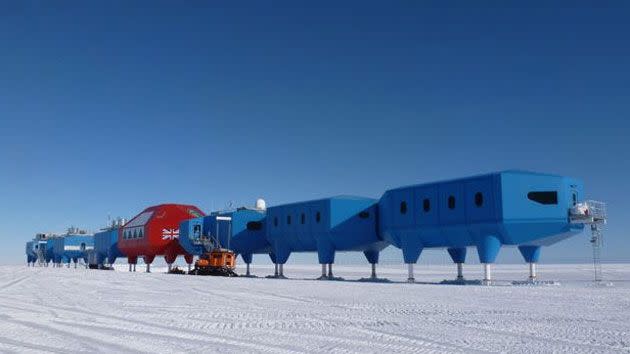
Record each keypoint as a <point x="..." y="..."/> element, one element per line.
<point x="487" y="278"/>
<point x="532" y="271"/>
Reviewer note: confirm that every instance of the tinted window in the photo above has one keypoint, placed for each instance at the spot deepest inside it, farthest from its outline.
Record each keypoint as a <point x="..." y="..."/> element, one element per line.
<point x="451" y="202"/>
<point x="141" y="233"/>
<point x="275" y="221"/>
<point x="478" y="199"/>
<point x="318" y="217"/>
<point x="426" y="205"/>
<point x="364" y="215"/>
<point x="403" y="207"/>
<point x="303" y="218"/>
<point x="545" y="198"/>
<point x="288" y="219"/>
<point x="574" y="198"/>
<point x="254" y="225"/>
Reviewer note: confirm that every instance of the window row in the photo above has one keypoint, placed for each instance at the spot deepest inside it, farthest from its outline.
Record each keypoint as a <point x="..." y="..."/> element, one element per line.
<point x="426" y="203"/>
<point x="133" y="234"/>
<point x="318" y="218"/>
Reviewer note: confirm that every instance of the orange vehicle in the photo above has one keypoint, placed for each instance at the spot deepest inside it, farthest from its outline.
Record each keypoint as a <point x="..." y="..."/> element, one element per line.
<point x="219" y="261"/>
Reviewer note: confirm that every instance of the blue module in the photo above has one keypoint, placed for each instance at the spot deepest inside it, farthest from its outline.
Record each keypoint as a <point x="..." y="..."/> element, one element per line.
<point x="71" y="247"/>
<point x="519" y="208"/>
<point x="344" y="223"/>
<point x="241" y="230"/>
<point x="31" y="255"/>
<point x="106" y="246"/>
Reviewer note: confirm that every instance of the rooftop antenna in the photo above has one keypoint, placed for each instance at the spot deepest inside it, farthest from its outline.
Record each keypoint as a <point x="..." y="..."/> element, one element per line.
<point x="593" y="214"/>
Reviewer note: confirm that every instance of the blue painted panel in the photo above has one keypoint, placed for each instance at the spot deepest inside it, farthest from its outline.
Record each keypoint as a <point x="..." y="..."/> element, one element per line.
<point x="191" y="232"/>
<point x="106" y="246"/>
<point x="402" y="207"/>
<point x="515" y="187"/>
<point x="452" y="213"/>
<point x="430" y="216"/>
<point x="480" y="200"/>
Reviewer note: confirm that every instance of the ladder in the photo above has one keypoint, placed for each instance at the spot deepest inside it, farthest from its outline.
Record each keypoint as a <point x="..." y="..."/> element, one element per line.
<point x="593" y="213"/>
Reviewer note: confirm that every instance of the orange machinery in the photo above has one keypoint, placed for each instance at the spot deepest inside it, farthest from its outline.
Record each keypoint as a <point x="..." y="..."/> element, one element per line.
<point x="219" y="261"/>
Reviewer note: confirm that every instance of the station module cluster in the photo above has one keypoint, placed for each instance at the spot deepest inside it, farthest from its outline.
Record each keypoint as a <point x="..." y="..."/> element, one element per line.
<point x="511" y="208"/>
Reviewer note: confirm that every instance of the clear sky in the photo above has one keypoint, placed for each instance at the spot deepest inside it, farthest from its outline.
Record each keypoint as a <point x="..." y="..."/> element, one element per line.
<point x="109" y="107"/>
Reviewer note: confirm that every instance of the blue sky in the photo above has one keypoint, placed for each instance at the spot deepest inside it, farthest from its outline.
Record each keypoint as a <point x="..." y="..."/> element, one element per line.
<point x="108" y="107"/>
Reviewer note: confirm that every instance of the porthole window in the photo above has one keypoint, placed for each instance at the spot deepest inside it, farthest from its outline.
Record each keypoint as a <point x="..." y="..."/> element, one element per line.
<point x="318" y="217"/>
<point x="403" y="207"/>
<point x="426" y="205"/>
<point x="364" y="215"/>
<point x="288" y="219"/>
<point x="303" y="218"/>
<point x="275" y="221"/>
<point x="451" y="202"/>
<point x="478" y="199"/>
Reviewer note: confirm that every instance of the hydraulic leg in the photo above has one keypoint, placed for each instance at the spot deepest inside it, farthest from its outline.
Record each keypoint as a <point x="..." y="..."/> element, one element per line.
<point x="410" y="277"/>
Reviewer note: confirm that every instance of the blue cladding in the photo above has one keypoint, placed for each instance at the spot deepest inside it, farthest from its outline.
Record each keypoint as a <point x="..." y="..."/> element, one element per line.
<point x="71" y="247"/>
<point x="234" y="233"/>
<point x="506" y="208"/>
<point x="106" y="246"/>
<point x="326" y="226"/>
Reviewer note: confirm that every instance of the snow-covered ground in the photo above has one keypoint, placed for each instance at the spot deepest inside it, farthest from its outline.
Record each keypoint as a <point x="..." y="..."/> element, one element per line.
<point x="79" y="310"/>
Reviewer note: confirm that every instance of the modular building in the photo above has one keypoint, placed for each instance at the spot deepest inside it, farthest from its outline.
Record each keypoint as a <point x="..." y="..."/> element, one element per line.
<point x="72" y="246"/>
<point x="31" y="255"/>
<point x="519" y="208"/>
<point x="106" y="249"/>
<point x="344" y="223"/>
<point x="155" y="231"/>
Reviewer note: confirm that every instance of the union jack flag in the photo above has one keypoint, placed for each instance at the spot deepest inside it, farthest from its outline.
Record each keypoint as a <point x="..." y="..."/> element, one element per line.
<point x="170" y="234"/>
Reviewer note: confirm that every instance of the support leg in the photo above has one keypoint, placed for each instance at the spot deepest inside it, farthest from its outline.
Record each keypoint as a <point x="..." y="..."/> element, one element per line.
<point x="281" y="275"/>
<point x="373" y="276"/>
<point x="247" y="273"/>
<point x="410" y="277"/>
<point x="170" y="266"/>
<point x="460" y="271"/>
<point x="130" y="267"/>
<point x="276" y="273"/>
<point x="189" y="266"/>
<point x="487" y="274"/>
<point x="134" y="267"/>
<point x="148" y="267"/>
<point x="330" y="271"/>
<point x="323" y="276"/>
<point x="532" y="271"/>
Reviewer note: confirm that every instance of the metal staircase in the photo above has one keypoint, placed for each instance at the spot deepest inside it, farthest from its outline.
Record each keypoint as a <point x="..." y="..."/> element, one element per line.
<point x="593" y="213"/>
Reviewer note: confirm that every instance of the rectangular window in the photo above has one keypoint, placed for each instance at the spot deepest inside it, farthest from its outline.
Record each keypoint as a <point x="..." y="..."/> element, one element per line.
<point x="544" y="197"/>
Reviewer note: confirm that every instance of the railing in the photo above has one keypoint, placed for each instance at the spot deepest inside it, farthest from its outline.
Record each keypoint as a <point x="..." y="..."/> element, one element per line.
<point x="588" y="212"/>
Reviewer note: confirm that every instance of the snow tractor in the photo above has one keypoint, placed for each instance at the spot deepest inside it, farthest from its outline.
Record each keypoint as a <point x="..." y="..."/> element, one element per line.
<point x="219" y="261"/>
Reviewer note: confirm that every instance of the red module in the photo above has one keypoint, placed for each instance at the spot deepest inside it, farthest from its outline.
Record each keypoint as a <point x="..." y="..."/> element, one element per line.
<point x="155" y="232"/>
